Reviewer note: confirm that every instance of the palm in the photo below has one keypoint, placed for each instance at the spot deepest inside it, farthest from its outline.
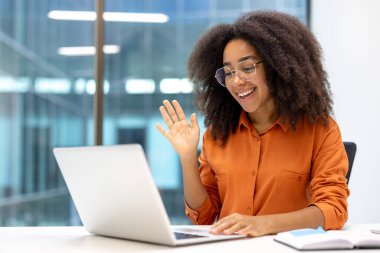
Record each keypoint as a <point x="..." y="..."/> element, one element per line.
<point x="183" y="136"/>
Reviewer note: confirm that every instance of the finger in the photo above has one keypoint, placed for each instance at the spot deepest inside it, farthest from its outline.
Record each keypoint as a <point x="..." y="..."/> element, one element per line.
<point x="220" y="228"/>
<point x="226" y="222"/>
<point x="162" y="131"/>
<point x="235" y="228"/>
<point x="171" y="111"/>
<point x="221" y="225"/>
<point x="166" y="116"/>
<point x="193" y="120"/>
<point x="178" y="109"/>
<point x="248" y="231"/>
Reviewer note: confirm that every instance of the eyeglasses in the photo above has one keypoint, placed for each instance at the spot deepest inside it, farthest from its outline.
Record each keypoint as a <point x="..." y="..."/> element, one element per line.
<point x="245" y="70"/>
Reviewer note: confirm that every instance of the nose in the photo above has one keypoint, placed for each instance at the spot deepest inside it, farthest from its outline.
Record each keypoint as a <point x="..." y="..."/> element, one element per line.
<point x="237" y="80"/>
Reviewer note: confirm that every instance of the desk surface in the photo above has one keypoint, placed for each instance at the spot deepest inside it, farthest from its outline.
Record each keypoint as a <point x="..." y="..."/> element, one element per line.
<point x="77" y="239"/>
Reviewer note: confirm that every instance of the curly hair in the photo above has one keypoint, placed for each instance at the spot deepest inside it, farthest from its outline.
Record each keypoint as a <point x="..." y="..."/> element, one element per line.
<point x="293" y="61"/>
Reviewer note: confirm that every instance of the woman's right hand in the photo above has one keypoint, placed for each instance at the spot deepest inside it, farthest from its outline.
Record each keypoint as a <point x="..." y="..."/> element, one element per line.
<point x="182" y="134"/>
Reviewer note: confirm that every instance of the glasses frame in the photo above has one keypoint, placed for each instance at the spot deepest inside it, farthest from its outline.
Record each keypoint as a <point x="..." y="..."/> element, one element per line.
<point x="234" y="71"/>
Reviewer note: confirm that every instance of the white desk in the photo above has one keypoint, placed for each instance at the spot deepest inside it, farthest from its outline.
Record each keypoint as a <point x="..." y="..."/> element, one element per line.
<point x="77" y="239"/>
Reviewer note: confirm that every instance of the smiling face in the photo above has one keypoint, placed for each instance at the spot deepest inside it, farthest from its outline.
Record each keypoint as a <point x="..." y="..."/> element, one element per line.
<point x="252" y="95"/>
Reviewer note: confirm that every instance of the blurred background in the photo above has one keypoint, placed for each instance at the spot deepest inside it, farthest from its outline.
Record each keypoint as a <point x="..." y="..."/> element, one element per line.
<point x="47" y="90"/>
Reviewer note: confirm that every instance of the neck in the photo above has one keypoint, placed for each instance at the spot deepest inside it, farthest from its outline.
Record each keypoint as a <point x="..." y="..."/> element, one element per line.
<point x="263" y="118"/>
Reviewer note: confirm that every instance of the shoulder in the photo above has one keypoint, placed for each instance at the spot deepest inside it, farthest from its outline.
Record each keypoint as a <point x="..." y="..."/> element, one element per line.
<point x="319" y="131"/>
<point x="319" y="125"/>
<point x="326" y="126"/>
<point x="327" y="135"/>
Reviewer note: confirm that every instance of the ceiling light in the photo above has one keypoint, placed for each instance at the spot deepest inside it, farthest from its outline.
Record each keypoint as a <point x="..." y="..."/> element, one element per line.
<point x="175" y="85"/>
<point x="52" y="85"/>
<point x="140" y="86"/>
<point x="85" y="51"/>
<point x="9" y="84"/>
<point x="135" y="17"/>
<point x="109" y="16"/>
<point x="72" y="15"/>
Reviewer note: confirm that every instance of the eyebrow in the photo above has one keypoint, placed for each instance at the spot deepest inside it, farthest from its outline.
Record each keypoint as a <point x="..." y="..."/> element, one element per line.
<point x="241" y="59"/>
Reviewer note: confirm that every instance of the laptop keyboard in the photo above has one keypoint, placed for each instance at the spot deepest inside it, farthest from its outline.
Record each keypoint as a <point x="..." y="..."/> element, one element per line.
<point x="180" y="236"/>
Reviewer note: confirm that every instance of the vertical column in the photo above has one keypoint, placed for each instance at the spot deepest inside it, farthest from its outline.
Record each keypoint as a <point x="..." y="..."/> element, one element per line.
<point x="99" y="70"/>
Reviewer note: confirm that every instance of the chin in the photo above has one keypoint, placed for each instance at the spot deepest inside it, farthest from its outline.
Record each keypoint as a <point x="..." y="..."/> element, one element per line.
<point x="249" y="109"/>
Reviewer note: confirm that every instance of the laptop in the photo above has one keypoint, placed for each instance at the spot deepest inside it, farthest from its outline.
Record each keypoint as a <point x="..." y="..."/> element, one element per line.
<point x="115" y="195"/>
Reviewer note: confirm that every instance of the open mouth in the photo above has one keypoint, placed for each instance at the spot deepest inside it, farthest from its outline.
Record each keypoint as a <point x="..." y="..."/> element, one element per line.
<point x="246" y="94"/>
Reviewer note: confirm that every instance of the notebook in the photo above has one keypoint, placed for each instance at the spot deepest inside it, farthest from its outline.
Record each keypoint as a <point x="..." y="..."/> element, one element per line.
<point x="319" y="239"/>
<point x="115" y="195"/>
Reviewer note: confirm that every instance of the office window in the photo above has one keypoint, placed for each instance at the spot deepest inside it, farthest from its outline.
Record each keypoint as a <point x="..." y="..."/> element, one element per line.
<point x="45" y="102"/>
<point x="47" y="87"/>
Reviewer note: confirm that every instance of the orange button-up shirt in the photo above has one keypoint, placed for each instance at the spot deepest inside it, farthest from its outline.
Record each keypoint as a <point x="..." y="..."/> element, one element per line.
<point x="275" y="172"/>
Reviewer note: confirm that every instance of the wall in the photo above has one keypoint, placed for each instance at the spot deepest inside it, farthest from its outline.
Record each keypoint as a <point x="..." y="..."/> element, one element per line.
<point x="349" y="34"/>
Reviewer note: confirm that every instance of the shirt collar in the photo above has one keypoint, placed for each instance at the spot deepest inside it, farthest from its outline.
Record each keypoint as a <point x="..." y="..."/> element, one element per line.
<point x="245" y="122"/>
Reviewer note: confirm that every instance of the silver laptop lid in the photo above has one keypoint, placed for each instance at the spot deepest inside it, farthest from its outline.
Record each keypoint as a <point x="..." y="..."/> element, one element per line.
<point x="114" y="192"/>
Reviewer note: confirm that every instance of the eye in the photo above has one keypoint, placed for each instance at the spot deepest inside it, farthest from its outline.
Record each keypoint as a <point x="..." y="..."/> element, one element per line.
<point x="227" y="73"/>
<point x="248" y="68"/>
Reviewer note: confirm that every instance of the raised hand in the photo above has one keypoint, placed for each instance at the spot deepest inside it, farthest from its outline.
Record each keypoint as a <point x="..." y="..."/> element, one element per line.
<point x="182" y="134"/>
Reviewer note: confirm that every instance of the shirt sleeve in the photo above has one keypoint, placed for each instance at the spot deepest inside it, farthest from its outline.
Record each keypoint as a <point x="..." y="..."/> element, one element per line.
<point x="328" y="186"/>
<point x="209" y="210"/>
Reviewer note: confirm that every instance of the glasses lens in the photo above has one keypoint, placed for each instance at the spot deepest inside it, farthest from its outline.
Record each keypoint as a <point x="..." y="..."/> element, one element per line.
<point x="220" y="75"/>
<point x="246" y="69"/>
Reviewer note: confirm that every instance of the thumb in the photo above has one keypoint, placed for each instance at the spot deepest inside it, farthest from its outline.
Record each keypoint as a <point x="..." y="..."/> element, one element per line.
<point x="193" y="120"/>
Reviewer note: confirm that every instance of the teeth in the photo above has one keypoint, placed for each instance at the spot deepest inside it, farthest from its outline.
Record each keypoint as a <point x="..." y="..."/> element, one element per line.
<point x="245" y="93"/>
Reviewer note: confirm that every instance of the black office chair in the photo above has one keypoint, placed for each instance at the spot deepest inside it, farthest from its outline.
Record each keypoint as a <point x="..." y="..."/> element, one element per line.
<point x="351" y="152"/>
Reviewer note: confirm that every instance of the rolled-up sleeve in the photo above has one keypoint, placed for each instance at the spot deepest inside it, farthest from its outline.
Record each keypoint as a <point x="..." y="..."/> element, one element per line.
<point x="328" y="186"/>
<point x="201" y="215"/>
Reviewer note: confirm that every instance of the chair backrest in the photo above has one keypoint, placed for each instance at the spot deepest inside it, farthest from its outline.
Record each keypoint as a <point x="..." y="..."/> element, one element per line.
<point x="351" y="152"/>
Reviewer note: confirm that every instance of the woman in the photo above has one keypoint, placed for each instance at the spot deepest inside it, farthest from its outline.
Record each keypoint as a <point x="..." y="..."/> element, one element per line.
<point x="272" y="157"/>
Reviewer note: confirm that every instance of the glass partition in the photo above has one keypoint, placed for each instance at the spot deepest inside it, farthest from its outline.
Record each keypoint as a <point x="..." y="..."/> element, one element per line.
<point x="45" y="102"/>
<point x="47" y="87"/>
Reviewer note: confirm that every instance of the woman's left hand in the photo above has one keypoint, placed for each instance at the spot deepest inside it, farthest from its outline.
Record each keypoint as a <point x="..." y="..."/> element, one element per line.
<point x="252" y="226"/>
